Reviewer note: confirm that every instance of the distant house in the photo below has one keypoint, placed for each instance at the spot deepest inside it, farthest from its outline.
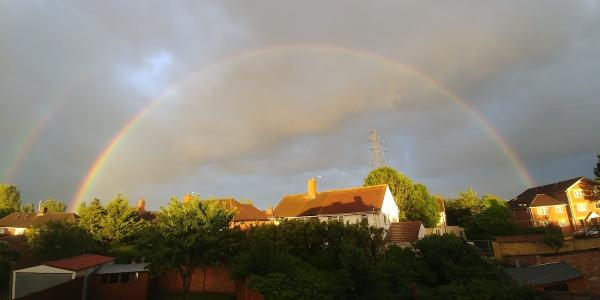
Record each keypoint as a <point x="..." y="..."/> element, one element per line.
<point x="143" y="213"/>
<point x="405" y="234"/>
<point x="372" y="204"/>
<point x="56" y="272"/>
<point x="558" y="276"/>
<point x="571" y="204"/>
<point x="119" y="281"/>
<point x="245" y="214"/>
<point x="18" y="223"/>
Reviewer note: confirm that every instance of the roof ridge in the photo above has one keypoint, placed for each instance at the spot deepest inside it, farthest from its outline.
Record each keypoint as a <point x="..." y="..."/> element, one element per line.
<point x="338" y="190"/>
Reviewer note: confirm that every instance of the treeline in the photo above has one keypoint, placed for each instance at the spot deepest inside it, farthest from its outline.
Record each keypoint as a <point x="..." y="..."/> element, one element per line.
<point x="292" y="260"/>
<point x="10" y="201"/>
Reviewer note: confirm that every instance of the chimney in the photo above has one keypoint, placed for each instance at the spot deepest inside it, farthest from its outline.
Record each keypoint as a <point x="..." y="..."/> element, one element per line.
<point x="187" y="198"/>
<point x="312" y="187"/>
<point x="141" y="205"/>
<point x="43" y="210"/>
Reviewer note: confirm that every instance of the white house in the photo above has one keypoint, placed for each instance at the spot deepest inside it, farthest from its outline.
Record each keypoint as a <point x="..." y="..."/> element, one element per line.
<point x="373" y="204"/>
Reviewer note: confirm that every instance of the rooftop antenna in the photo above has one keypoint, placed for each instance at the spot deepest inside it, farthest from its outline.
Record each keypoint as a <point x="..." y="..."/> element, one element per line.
<point x="377" y="158"/>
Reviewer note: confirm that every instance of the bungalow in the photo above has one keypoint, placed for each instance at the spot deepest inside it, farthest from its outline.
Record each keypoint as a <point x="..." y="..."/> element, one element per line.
<point x="372" y="204"/>
<point x="18" y="223"/>
<point x="405" y="234"/>
<point x="558" y="276"/>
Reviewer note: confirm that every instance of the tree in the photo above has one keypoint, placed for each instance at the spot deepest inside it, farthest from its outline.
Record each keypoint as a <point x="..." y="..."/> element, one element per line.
<point x="400" y="186"/>
<point x="553" y="238"/>
<point x="186" y="235"/>
<point x="493" y="221"/>
<point x="55" y="240"/>
<point x="119" y="221"/>
<point x="54" y="205"/>
<point x="91" y="218"/>
<point x="597" y="168"/>
<point x="422" y="207"/>
<point x="29" y="208"/>
<point x="469" y="200"/>
<point x="10" y="197"/>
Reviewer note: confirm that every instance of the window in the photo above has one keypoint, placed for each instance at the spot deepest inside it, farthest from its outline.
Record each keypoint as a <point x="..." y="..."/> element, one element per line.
<point x="578" y="193"/>
<point x="542" y="211"/>
<point x="562" y="223"/>
<point x="543" y="223"/>
<point x="558" y="209"/>
<point x="124" y="277"/>
<point x="1" y="230"/>
<point x="114" y="278"/>
<point x="597" y="206"/>
<point x="581" y="206"/>
<point x="364" y="219"/>
<point x="104" y="278"/>
<point x="385" y="219"/>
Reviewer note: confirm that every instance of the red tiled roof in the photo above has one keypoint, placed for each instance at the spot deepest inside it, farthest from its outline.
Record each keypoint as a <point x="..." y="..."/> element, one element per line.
<point x="352" y="200"/>
<point x="403" y="232"/>
<point x="27" y="220"/>
<point x="81" y="262"/>
<point x="243" y="211"/>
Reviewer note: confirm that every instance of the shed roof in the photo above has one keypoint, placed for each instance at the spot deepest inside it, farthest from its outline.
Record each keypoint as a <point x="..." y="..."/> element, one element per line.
<point x="122" y="268"/>
<point x="27" y="220"/>
<point x="81" y="262"/>
<point x="543" y="274"/>
<point x="403" y="232"/>
<point x="342" y="201"/>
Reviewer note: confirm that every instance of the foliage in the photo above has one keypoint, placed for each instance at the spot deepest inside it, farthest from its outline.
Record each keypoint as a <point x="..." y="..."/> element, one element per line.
<point x="186" y="235"/>
<point x="10" y="197"/>
<point x="119" y="221"/>
<point x="56" y="240"/>
<point x="91" y="218"/>
<point x="29" y="208"/>
<point x="7" y="259"/>
<point x="54" y="205"/>
<point x="493" y="220"/>
<point x="422" y="207"/>
<point x="553" y="238"/>
<point x="597" y="168"/>
<point x="469" y="200"/>
<point x="400" y="185"/>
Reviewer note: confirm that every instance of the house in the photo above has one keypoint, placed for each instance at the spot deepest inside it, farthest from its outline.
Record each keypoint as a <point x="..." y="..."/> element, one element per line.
<point x="374" y="205"/>
<point x="571" y="205"/>
<point x="558" y="276"/>
<point x="53" y="273"/>
<point x="245" y="214"/>
<point x="119" y="281"/>
<point x="405" y="234"/>
<point x="18" y="223"/>
<point x="143" y="213"/>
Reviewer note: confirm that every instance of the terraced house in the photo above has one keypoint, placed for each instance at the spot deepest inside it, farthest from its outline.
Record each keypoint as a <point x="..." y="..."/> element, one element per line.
<point x="571" y="204"/>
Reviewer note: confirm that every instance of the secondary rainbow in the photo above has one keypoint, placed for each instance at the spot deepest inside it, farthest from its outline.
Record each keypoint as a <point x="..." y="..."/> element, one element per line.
<point x="493" y="133"/>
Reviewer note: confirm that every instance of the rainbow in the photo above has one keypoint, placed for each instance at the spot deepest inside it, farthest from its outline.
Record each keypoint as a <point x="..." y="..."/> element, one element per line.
<point x="492" y="132"/>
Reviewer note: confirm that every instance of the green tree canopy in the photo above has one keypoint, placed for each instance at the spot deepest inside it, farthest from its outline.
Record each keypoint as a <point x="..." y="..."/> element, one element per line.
<point x="91" y="218"/>
<point x="400" y="186"/>
<point x="55" y="240"/>
<point x="421" y="206"/>
<point x="54" y="205"/>
<point x="119" y="221"/>
<point x="186" y="235"/>
<point x="10" y="197"/>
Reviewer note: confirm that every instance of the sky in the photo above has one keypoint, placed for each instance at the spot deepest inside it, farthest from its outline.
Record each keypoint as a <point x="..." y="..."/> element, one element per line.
<point x="249" y="99"/>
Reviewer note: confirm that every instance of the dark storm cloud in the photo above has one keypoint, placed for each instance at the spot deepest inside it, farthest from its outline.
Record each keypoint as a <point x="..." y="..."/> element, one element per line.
<point x="258" y="127"/>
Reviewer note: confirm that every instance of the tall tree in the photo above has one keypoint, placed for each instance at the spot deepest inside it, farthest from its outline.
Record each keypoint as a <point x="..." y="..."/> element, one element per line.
<point x="469" y="200"/>
<point x="91" y="217"/>
<point x="54" y="205"/>
<point x="597" y="168"/>
<point x="422" y="207"/>
<point x="186" y="235"/>
<point x="120" y="220"/>
<point x="400" y="186"/>
<point x="10" y="197"/>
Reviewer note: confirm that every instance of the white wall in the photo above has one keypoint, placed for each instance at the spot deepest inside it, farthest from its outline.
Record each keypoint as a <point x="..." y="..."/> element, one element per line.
<point x="389" y="207"/>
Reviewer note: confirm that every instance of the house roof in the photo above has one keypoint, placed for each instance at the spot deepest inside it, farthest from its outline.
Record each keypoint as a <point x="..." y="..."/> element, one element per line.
<point x="122" y="268"/>
<point x="243" y="211"/>
<point x="342" y="201"/>
<point x="81" y="262"/>
<point x="554" y="190"/>
<point x="403" y="232"/>
<point x="545" y="200"/>
<point x="543" y="274"/>
<point x="27" y="220"/>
